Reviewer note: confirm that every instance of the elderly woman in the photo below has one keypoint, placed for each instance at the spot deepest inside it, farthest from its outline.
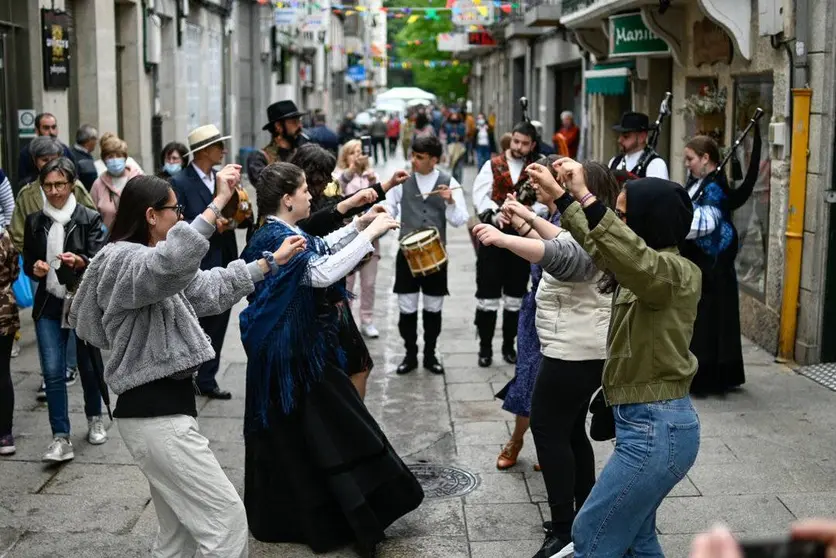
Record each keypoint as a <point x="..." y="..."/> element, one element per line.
<point x="101" y="166"/>
<point x="58" y="243"/>
<point x="107" y="189"/>
<point x="173" y="158"/>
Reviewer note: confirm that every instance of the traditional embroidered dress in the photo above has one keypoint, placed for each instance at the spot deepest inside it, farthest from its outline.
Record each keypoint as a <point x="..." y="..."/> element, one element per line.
<point x="318" y="469"/>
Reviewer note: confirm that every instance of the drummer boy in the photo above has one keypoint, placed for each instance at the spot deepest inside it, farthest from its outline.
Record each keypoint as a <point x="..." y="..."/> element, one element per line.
<point x="429" y="198"/>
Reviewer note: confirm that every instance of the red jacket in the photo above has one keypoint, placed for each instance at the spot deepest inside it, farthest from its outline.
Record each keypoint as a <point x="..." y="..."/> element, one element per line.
<point x="393" y="128"/>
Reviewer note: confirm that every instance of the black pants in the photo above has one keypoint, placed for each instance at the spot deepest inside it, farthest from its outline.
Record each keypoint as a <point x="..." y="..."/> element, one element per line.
<point x="393" y="146"/>
<point x="559" y="406"/>
<point x="7" y="390"/>
<point x="379" y="143"/>
<point x="215" y="328"/>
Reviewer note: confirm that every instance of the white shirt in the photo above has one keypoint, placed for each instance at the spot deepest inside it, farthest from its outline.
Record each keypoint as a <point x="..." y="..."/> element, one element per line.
<point x="705" y="218"/>
<point x="657" y="168"/>
<point x="455" y="213"/>
<point x="208" y="180"/>
<point x="348" y="247"/>
<point x="482" y="136"/>
<point x="483" y="185"/>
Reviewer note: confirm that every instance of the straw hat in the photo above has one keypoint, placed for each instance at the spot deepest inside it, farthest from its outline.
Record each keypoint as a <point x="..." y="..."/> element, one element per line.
<point x="204" y="137"/>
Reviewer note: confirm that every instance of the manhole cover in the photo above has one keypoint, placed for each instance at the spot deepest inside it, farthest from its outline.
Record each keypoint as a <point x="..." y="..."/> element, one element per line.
<point x="443" y="481"/>
<point x="824" y="374"/>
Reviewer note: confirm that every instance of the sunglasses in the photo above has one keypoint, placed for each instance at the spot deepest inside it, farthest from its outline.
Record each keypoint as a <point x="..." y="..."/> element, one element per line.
<point x="178" y="209"/>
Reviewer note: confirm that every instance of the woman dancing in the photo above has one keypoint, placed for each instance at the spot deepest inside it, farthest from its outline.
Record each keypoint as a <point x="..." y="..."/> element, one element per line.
<point x="319" y="470"/>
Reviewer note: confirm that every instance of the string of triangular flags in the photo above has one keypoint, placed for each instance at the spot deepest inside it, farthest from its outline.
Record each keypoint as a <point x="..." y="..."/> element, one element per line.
<point x="400" y="12"/>
<point x="407" y="64"/>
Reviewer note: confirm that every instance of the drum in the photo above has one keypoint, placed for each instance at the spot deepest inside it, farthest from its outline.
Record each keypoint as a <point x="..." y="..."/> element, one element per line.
<point x="424" y="251"/>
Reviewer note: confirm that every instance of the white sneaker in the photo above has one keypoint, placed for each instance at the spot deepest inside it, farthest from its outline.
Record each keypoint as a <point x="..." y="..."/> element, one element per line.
<point x="96" y="434"/>
<point x="61" y="449"/>
<point x="566" y="551"/>
<point x="16" y="349"/>
<point x="370" y="331"/>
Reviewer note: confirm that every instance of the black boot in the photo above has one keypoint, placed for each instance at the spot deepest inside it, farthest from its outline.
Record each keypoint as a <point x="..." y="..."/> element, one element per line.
<point x="432" y="329"/>
<point x="510" y="323"/>
<point x="485" y="325"/>
<point x="408" y="326"/>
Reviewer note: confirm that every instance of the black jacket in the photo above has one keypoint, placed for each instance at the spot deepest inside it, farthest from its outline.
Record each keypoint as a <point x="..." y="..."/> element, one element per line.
<point x="84" y="236"/>
<point x="85" y="166"/>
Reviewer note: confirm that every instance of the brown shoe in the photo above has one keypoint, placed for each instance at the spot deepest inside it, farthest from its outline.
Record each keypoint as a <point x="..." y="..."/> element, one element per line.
<point x="508" y="457"/>
<point x="537" y="467"/>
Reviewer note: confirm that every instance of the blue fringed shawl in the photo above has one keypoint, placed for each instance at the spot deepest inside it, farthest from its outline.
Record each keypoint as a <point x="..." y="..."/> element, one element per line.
<point x="720" y="238"/>
<point x="287" y="345"/>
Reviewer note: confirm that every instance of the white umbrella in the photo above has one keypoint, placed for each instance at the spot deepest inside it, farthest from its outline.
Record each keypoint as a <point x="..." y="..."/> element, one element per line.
<point x="406" y="93"/>
<point x="417" y="103"/>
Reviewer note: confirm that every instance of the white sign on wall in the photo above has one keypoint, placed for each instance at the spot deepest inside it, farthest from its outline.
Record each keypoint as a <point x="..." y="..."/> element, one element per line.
<point x="473" y="12"/>
<point x="26" y="123"/>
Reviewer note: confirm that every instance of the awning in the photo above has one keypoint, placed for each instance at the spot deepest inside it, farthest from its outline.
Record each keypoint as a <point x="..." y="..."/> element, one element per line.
<point x="609" y="79"/>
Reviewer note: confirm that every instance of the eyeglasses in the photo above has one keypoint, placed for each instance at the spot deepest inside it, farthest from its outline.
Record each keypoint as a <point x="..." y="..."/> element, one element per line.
<point x="178" y="209"/>
<point x="621" y="214"/>
<point x="54" y="186"/>
<point x="48" y="127"/>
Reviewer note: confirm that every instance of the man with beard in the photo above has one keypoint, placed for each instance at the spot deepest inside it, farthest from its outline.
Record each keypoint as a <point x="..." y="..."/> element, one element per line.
<point x="285" y="127"/>
<point x="632" y="141"/>
<point x="500" y="274"/>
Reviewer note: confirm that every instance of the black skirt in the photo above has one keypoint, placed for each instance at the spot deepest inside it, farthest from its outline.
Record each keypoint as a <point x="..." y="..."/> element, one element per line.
<point x="716" y="340"/>
<point x="357" y="356"/>
<point x="325" y="475"/>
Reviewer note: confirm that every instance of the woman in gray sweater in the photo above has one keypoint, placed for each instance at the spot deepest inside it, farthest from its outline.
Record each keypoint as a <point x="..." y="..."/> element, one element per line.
<point x="141" y="298"/>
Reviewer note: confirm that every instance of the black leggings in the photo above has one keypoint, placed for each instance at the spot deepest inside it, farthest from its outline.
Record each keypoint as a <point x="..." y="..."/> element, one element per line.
<point x="7" y="390"/>
<point x="559" y="406"/>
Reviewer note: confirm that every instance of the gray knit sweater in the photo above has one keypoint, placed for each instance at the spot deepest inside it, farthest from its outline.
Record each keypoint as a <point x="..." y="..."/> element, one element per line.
<point x="142" y="303"/>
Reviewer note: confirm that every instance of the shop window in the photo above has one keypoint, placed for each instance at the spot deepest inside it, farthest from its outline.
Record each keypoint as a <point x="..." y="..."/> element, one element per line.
<point x="752" y="220"/>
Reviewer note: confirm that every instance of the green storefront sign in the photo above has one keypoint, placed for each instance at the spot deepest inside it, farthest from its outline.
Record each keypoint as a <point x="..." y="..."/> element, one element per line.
<point x="629" y="36"/>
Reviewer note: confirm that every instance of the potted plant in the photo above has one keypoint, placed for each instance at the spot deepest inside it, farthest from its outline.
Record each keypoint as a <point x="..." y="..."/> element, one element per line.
<point x="708" y="109"/>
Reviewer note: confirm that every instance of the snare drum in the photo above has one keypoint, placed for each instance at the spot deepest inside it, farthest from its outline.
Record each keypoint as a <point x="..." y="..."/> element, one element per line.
<point x="424" y="251"/>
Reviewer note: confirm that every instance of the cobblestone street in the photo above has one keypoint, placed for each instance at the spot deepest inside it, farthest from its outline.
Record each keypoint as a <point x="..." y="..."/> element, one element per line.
<point x="767" y="456"/>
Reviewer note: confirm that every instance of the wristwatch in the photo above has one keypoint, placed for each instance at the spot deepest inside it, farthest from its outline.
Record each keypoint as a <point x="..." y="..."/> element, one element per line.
<point x="271" y="262"/>
<point x="215" y="210"/>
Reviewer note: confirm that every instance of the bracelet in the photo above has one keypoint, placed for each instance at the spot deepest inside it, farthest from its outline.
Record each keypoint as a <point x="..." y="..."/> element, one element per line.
<point x="530" y="228"/>
<point x="586" y="197"/>
<point x="214" y="209"/>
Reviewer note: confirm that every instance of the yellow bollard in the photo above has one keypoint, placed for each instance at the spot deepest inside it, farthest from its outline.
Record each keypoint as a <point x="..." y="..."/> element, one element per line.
<point x="795" y="222"/>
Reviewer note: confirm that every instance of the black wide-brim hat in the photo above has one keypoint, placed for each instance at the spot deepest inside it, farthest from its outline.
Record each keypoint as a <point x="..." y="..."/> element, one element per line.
<point x="281" y="111"/>
<point x="632" y="122"/>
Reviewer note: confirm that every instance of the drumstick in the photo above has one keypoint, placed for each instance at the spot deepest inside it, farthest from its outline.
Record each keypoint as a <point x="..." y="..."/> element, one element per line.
<point x="436" y="192"/>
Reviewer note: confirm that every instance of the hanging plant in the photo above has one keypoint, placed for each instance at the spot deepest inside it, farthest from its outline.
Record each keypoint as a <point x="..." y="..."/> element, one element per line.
<point x="707" y="100"/>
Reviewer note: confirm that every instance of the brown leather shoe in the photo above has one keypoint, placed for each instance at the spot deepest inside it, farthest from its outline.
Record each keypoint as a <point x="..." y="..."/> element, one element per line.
<point x="508" y="457"/>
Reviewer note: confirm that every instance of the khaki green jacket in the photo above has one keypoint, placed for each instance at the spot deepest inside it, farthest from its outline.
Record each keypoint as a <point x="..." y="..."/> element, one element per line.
<point x="30" y="200"/>
<point x="653" y="314"/>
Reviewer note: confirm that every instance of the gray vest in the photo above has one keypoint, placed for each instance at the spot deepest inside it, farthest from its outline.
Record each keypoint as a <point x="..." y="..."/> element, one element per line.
<point x="421" y="214"/>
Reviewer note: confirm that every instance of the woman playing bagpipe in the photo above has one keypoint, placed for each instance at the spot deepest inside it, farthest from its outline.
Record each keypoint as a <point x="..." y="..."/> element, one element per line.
<point x="712" y="244"/>
<point x="318" y="469"/>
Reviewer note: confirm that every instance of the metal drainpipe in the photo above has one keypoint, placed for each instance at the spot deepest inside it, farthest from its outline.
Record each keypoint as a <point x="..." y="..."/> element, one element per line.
<point x="799" y="154"/>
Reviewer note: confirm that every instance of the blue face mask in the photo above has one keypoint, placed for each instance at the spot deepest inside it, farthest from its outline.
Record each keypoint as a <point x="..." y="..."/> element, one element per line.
<point x="115" y="167"/>
<point x="172" y="168"/>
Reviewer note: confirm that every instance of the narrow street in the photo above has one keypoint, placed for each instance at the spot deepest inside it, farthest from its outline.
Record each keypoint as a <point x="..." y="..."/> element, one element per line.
<point x="767" y="456"/>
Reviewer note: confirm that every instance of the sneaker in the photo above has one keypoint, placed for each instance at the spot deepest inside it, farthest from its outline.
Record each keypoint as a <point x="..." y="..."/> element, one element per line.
<point x="72" y="375"/>
<point x="41" y="396"/>
<point x="16" y="349"/>
<point x="61" y="449"/>
<point x="370" y="331"/>
<point x="554" y="546"/>
<point x="96" y="434"/>
<point x="7" y="445"/>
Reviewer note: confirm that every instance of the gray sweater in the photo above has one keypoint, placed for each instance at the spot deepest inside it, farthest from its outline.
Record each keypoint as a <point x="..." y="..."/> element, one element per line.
<point x="566" y="260"/>
<point x="142" y="303"/>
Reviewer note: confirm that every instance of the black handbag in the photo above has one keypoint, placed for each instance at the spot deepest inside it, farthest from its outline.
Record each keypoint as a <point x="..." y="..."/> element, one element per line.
<point x="602" y="427"/>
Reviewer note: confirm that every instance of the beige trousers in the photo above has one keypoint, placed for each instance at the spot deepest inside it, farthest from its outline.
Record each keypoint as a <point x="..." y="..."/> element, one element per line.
<point x="199" y="511"/>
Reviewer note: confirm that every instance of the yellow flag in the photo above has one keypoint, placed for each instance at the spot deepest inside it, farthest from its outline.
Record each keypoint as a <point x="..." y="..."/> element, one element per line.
<point x="412" y="19"/>
<point x="483" y="11"/>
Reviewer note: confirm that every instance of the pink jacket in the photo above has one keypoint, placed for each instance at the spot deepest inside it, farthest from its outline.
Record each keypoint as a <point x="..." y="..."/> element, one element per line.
<point x="106" y="197"/>
<point x="352" y="182"/>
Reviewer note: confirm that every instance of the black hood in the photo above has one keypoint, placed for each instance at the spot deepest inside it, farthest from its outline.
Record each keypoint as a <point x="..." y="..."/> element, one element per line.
<point x="659" y="211"/>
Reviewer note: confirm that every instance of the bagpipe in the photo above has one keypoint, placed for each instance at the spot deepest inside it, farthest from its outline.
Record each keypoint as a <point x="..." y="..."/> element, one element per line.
<point x="525" y="191"/>
<point x="649" y="153"/>
<point x="739" y="195"/>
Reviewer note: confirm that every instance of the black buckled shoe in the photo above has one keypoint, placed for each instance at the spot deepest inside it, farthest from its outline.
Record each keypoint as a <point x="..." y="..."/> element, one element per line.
<point x="407" y="365"/>
<point x="432" y="364"/>
<point x="215" y="393"/>
<point x="485" y="361"/>
<point x="509" y="355"/>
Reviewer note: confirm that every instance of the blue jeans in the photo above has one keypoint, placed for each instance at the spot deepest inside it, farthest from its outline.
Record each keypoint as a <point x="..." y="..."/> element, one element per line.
<point x="655" y="446"/>
<point x="52" y="347"/>
<point x="72" y="359"/>
<point x="483" y="153"/>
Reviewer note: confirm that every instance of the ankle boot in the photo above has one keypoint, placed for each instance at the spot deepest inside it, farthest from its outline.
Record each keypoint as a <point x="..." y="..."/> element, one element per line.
<point x="432" y="329"/>
<point x="408" y="327"/>
<point x="510" y="323"/>
<point x="485" y="326"/>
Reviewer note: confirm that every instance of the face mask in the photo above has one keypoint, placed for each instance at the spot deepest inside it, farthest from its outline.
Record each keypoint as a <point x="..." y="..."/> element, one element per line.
<point x="480" y="122"/>
<point x="172" y="168"/>
<point x="115" y="167"/>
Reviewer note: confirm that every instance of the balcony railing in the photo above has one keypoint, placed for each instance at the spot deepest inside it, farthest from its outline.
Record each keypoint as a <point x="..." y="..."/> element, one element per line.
<point x="570" y="6"/>
<point x="535" y="3"/>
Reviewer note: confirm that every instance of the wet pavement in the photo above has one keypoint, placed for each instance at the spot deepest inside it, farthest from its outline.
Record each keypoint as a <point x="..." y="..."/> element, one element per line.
<point x="767" y="456"/>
